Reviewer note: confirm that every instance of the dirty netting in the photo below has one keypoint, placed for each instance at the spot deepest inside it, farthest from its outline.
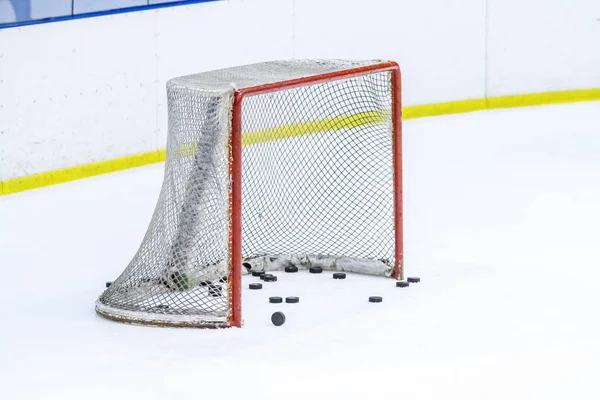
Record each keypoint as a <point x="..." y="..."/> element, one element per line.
<point x="317" y="189"/>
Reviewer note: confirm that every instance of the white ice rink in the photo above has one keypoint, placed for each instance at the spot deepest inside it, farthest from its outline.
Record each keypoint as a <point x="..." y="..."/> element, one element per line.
<point x="502" y="224"/>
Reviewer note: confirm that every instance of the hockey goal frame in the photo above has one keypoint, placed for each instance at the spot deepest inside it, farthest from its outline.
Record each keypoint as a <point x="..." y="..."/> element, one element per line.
<point x="235" y="169"/>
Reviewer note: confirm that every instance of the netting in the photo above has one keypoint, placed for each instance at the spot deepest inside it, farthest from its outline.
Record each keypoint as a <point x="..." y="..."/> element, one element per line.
<point x="317" y="182"/>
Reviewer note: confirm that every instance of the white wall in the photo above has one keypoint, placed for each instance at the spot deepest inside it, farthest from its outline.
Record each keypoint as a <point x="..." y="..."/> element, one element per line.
<point x="439" y="44"/>
<point x="76" y="92"/>
<point x="542" y="45"/>
<point x="94" y="89"/>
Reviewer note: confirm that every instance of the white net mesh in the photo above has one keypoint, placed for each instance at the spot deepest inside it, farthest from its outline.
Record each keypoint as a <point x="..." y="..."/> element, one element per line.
<point x="317" y="189"/>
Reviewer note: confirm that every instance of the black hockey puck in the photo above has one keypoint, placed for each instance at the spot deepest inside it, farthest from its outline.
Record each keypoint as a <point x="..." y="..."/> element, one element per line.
<point x="214" y="290"/>
<point x="278" y="318"/>
<point x="413" y="279"/>
<point x="262" y="276"/>
<point x="402" y="284"/>
<point x="270" y="278"/>
<point x="292" y="299"/>
<point x="257" y="273"/>
<point x="108" y="284"/>
<point x="275" y="299"/>
<point x="315" y="270"/>
<point x="339" y="275"/>
<point x="375" y="299"/>
<point x="291" y="268"/>
<point x="255" y="286"/>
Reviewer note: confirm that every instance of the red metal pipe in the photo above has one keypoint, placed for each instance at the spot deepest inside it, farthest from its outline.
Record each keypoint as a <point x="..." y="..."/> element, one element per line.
<point x="235" y="293"/>
<point x="321" y="78"/>
<point x="235" y="231"/>
<point x="397" y="156"/>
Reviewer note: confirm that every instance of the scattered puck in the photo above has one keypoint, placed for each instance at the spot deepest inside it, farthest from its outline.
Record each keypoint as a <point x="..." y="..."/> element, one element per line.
<point x="257" y="273"/>
<point x="270" y="278"/>
<point x="291" y="268"/>
<point x="263" y="276"/>
<point x="108" y="284"/>
<point x="255" y="286"/>
<point x="375" y="299"/>
<point x="275" y="300"/>
<point x="278" y="318"/>
<point x="402" y="284"/>
<point x="339" y="275"/>
<point x="214" y="290"/>
<point x="414" y="279"/>
<point x="292" y="299"/>
<point x="315" y="270"/>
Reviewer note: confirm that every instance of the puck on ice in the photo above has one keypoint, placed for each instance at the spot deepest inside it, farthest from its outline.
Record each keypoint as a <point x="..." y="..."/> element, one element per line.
<point x="402" y="284"/>
<point x="270" y="278"/>
<point x="275" y="299"/>
<point x="214" y="290"/>
<point x="292" y="299"/>
<point x="339" y="275"/>
<point x="108" y="284"/>
<point x="278" y="318"/>
<point x="375" y="299"/>
<point x="413" y="279"/>
<point x="315" y="270"/>
<point x="257" y="273"/>
<point x="291" y="268"/>
<point x="255" y="286"/>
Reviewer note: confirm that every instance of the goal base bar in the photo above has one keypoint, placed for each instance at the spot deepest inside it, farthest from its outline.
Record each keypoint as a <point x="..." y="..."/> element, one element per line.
<point x="160" y="320"/>
<point x="329" y="263"/>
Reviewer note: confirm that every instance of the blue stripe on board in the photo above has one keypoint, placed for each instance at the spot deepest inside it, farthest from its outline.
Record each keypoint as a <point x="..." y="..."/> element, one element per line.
<point x="102" y="13"/>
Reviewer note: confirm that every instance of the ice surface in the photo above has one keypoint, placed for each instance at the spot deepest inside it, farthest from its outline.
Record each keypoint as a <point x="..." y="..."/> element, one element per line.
<point x="502" y="223"/>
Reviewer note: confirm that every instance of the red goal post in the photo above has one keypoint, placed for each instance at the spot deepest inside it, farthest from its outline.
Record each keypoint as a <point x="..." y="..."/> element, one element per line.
<point x="295" y="162"/>
<point x="236" y="167"/>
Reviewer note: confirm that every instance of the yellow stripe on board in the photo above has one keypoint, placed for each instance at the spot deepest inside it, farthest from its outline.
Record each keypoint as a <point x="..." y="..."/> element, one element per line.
<point x="81" y="171"/>
<point x="299" y="129"/>
<point x="538" y="99"/>
<point x="451" y="107"/>
<point x="411" y="112"/>
<point x="312" y="127"/>
<point x="491" y="103"/>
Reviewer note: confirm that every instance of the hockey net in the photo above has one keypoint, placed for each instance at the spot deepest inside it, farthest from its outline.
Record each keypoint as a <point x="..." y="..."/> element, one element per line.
<point x="319" y="187"/>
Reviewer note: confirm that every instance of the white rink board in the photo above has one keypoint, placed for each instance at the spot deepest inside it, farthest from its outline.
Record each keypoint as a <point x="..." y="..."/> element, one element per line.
<point x="93" y="89"/>
<point x="439" y="44"/>
<point x="542" y="45"/>
<point x="77" y="92"/>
